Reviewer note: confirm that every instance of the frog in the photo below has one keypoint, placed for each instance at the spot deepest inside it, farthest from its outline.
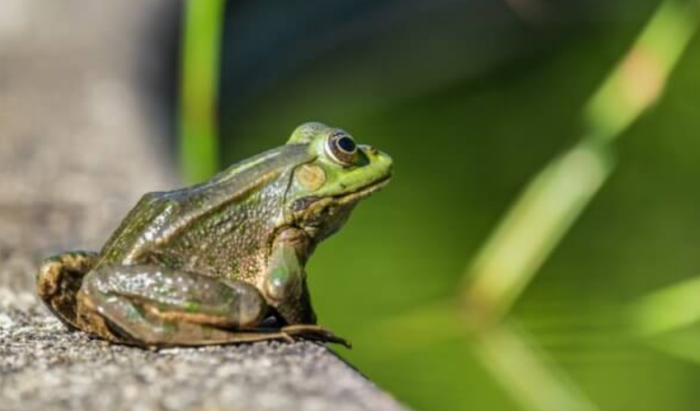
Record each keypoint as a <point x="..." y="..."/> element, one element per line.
<point x="222" y="261"/>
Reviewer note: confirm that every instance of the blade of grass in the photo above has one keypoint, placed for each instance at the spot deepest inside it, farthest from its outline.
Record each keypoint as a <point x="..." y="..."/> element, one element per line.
<point x="668" y="309"/>
<point x="554" y="199"/>
<point x="548" y="208"/>
<point x="668" y="320"/>
<point x="201" y="51"/>
<point x="639" y="79"/>
<point x="533" y="227"/>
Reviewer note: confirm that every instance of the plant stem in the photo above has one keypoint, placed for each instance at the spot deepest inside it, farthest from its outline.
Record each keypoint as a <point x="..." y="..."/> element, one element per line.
<point x="556" y="197"/>
<point x="201" y="51"/>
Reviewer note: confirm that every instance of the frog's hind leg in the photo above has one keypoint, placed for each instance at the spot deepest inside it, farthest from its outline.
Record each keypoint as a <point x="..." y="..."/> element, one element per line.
<point x="156" y="306"/>
<point x="59" y="280"/>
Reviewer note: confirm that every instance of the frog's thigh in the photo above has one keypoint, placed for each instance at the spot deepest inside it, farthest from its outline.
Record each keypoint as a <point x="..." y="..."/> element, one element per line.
<point x="59" y="279"/>
<point x="160" y="306"/>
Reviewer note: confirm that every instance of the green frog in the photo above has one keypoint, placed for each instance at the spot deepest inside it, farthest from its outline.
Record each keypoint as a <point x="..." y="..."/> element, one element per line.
<point x="222" y="261"/>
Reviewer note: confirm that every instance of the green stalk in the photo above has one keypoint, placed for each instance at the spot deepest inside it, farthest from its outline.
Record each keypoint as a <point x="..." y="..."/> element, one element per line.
<point x="201" y="51"/>
<point x="554" y="200"/>
<point x="548" y="207"/>
<point x="667" y="309"/>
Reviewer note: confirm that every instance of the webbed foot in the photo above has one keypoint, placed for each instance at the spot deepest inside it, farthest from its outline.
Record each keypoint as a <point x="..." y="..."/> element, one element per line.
<point x="59" y="280"/>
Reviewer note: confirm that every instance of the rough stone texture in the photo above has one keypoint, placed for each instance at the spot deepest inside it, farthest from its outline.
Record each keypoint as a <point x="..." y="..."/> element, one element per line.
<point x="44" y="367"/>
<point x="76" y="152"/>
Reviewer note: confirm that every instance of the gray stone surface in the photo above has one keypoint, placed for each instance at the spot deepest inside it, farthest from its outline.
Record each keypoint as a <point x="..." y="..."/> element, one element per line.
<point x="44" y="367"/>
<point x="77" y="149"/>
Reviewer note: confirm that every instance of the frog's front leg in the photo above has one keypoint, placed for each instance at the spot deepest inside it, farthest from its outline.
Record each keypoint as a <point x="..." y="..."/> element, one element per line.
<point x="286" y="290"/>
<point x="157" y="306"/>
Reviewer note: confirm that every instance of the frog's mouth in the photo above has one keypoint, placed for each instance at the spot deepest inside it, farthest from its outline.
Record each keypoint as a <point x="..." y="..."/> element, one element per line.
<point x="365" y="192"/>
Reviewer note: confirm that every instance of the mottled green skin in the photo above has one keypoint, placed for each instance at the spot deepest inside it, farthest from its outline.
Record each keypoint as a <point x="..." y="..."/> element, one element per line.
<point x="223" y="228"/>
<point x="209" y="263"/>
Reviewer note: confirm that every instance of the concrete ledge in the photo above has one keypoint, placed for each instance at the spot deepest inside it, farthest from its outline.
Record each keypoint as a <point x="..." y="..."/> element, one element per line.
<point x="45" y="367"/>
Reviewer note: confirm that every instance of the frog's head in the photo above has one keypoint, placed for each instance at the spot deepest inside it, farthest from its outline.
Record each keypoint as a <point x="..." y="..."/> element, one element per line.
<point x="324" y="190"/>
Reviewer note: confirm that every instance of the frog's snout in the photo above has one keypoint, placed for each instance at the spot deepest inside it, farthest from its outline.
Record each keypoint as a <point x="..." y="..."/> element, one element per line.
<point x="379" y="159"/>
<point x="372" y="150"/>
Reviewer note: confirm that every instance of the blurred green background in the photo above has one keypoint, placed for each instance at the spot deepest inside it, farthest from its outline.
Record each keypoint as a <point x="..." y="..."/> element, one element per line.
<point x="473" y="99"/>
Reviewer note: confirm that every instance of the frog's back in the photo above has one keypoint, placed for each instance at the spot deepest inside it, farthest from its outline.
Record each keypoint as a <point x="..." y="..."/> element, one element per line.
<point x="221" y="227"/>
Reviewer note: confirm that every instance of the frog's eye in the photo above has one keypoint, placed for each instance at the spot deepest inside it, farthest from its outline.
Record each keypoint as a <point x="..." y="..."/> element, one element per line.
<point x="341" y="147"/>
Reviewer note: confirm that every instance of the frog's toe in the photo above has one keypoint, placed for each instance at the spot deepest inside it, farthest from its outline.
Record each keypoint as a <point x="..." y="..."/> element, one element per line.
<point x="315" y="332"/>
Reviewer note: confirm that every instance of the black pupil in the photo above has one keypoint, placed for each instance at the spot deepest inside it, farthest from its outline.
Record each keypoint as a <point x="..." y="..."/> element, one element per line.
<point x="346" y="144"/>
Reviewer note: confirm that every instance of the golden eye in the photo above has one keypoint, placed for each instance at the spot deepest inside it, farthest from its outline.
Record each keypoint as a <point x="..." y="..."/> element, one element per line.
<point x="341" y="147"/>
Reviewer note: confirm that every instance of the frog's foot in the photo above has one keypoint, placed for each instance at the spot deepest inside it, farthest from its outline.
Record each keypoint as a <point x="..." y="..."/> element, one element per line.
<point x="156" y="306"/>
<point x="314" y="332"/>
<point x="59" y="280"/>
